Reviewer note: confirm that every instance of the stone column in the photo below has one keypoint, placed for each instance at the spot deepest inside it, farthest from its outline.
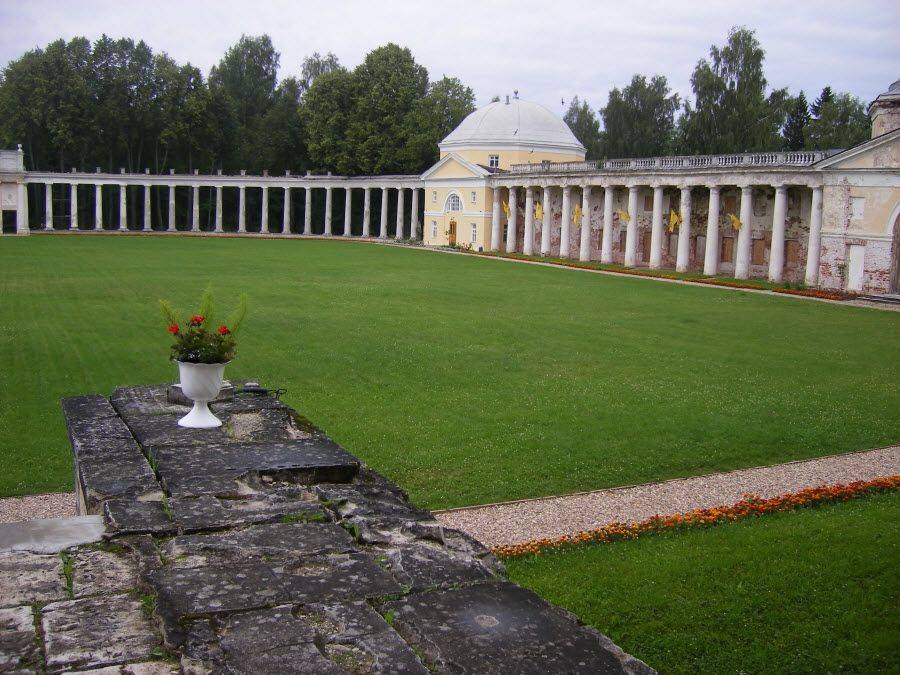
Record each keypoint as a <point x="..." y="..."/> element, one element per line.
<point x="348" y="203"/>
<point x="48" y="206"/>
<point x="495" y="220"/>
<point x="242" y="211"/>
<point x="776" y="250"/>
<point x="711" y="257"/>
<point x="123" y="206"/>
<point x="414" y="232"/>
<point x="98" y="207"/>
<point x="22" y="209"/>
<point x="382" y="232"/>
<point x="398" y="234"/>
<point x="814" y="252"/>
<point x="606" y="244"/>
<point x="546" y="222"/>
<point x="631" y="231"/>
<point x="511" y="222"/>
<point x="528" y="244"/>
<point x="328" y="195"/>
<point x="683" y="259"/>
<point x="264" y="208"/>
<point x="307" y="212"/>
<point x="286" y="216"/>
<point x="195" y="208"/>
<point x="171" y="223"/>
<point x="73" y="206"/>
<point x="219" y="227"/>
<point x="564" y="222"/>
<point x="584" y="252"/>
<point x="742" y="259"/>
<point x="148" y="214"/>
<point x="367" y="212"/>
<point x="656" y="231"/>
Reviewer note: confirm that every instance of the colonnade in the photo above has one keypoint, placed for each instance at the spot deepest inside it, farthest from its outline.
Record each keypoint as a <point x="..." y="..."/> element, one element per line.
<point x="742" y="259"/>
<point x="400" y="230"/>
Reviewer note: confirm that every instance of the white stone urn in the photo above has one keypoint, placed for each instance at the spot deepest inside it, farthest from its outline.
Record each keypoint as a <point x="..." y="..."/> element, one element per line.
<point x="201" y="383"/>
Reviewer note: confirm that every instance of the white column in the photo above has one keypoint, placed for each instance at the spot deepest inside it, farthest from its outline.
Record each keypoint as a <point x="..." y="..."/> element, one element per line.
<point x="73" y="206"/>
<point x="683" y="259"/>
<point x="776" y="250"/>
<point x="631" y="231"/>
<point x="264" y="208"/>
<point x="98" y="207"/>
<point x="606" y="244"/>
<point x="22" y="209"/>
<point x="656" y="231"/>
<point x="546" y="222"/>
<point x="242" y="211"/>
<point x="528" y="244"/>
<point x="307" y="212"/>
<point x="171" y="224"/>
<point x="511" y="223"/>
<point x="48" y="206"/>
<point x="495" y="220"/>
<point x="367" y="212"/>
<point x="148" y="217"/>
<point x="414" y="233"/>
<point x="382" y="232"/>
<point x="286" y="216"/>
<point x="584" y="252"/>
<point x="564" y="222"/>
<point x="195" y="208"/>
<point x="219" y="227"/>
<point x="348" y="203"/>
<point x="123" y="206"/>
<point x="814" y="252"/>
<point x="328" y="211"/>
<point x="742" y="259"/>
<point x="711" y="257"/>
<point x="398" y="234"/>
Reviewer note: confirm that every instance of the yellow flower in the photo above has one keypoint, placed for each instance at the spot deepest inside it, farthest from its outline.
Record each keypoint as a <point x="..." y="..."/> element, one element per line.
<point x="735" y="221"/>
<point x="623" y="216"/>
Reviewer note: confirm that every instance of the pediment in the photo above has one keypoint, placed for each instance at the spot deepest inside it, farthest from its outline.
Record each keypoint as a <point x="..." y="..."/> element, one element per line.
<point x="454" y="166"/>
<point x="882" y="152"/>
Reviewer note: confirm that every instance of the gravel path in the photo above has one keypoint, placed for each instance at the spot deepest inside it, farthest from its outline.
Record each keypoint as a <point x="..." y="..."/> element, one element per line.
<point x="54" y="505"/>
<point x="550" y="517"/>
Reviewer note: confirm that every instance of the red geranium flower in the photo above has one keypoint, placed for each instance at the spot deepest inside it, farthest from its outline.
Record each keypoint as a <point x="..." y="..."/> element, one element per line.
<point x="223" y="330"/>
<point x="173" y="329"/>
<point x="196" y="320"/>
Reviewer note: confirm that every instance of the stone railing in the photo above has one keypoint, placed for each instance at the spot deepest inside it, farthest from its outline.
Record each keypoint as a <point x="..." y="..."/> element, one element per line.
<point x="679" y="162"/>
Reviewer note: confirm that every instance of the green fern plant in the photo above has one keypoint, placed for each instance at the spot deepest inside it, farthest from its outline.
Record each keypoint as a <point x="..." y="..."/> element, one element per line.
<point x="195" y="339"/>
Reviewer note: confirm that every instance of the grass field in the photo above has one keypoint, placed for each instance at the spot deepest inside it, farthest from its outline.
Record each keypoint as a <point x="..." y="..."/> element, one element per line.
<point x="465" y="379"/>
<point x="811" y="591"/>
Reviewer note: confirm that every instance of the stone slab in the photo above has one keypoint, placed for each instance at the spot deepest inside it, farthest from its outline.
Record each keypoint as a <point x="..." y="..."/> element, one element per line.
<point x="102" y="572"/>
<point x="145" y="668"/>
<point x="27" y="578"/>
<point x="207" y="512"/>
<point x="96" y="632"/>
<point x="499" y="627"/>
<point x="130" y="516"/>
<point x="175" y="395"/>
<point x="370" y="503"/>
<point x="18" y="646"/>
<point x="50" y="535"/>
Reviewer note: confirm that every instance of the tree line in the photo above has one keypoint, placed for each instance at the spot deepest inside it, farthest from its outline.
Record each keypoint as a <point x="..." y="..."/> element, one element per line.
<point x="730" y="112"/>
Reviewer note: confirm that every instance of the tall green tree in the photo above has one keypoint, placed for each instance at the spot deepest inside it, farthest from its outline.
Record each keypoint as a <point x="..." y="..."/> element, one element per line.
<point x="639" y="120"/>
<point x="584" y="124"/>
<point x="326" y="115"/>
<point x="795" y="124"/>
<point x="841" y="122"/>
<point x="826" y="97"/>
<point x="434" y="116"/>
<point x="315" y="65"/>
<point x="248" y="74"/>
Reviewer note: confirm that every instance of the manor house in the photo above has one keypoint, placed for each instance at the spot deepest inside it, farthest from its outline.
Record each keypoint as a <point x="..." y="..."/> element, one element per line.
<point x="512" y="177"/>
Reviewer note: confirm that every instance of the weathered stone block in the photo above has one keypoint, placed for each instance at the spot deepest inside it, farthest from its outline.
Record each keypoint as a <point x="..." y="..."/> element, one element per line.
<point x="26" y="578"/>
<point x="95" y="632"/>
<point x="208" y="513"/>
<point x="130" y="516"/>
<point x="144" y="668"/>
<point x="18" y="646"/>
<point x="96" y="572"/>
<point x="372" y="503"/>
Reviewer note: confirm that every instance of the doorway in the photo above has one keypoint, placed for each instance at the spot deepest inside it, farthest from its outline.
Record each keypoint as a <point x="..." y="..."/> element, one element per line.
<point x="451" y="235"/>
<point x="855" y="267"/>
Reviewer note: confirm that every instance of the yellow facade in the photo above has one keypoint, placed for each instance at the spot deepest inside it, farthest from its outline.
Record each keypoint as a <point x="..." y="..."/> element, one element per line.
<point x="510" y="156"/>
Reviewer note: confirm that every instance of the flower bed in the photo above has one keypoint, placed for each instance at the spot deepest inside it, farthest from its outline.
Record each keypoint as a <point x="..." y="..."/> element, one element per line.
<point x="751" y="505"/>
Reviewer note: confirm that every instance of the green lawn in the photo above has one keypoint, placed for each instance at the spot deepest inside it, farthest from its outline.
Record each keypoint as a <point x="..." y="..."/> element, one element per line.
<point x="465" y="379"/>
<point x="814" y="590"/>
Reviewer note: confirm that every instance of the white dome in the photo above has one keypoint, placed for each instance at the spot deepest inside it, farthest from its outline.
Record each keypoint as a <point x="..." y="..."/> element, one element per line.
<point x="518" y="123"/>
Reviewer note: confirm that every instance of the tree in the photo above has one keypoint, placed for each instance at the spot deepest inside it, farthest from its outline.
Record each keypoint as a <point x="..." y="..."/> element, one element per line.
<point x="281" y="139"/>
<point x="639" y="120"/>
<point x="584" y="124"/>
<point x="248" y="74"/>
<point x="841" y="122"/>
<point x="731" y="112"/>
<point x="315" y="65"/>
<point x="826" y="97"/>
<point x="326" y="116"/>
<point x="447" y="103"/>
<point x="795" y="124"/>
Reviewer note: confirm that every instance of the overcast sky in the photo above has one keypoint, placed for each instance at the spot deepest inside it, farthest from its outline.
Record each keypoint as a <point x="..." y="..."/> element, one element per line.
<point x="549" y="50"/>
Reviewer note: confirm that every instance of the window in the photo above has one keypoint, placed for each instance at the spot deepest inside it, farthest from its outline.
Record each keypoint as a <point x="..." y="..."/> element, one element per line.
<point x="645" y="246"/>
<point x="474" y="196"/>
<point x="730" y="204"/>
<point x="673" y="244"/>
<point x="699" y="247"/>
<point x="434" y="228"/>
<point x="622" y="237"/>
<point x="857" y="207"/>
<point x="494" y="161"/>
<point x="648" y="202"/>
<point x="474" y="233"/>
<point x="453" y="203"/>
<point x="792" y="250"/>
<point x="434" y="196"/>
<point x="758" y="252"/>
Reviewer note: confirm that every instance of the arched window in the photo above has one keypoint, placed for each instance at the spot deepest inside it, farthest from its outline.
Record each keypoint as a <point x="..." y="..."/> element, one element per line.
<point x="453" y="203"/>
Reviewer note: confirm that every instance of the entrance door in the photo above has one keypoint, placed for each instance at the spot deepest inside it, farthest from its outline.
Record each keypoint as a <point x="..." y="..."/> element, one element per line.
<point x="855" y="268"/>
<point x="452" y="236"/>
